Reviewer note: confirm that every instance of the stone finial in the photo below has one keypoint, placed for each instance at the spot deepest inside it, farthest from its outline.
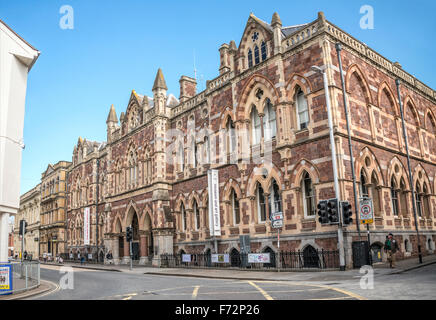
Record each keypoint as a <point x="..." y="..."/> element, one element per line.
<point x="321" y="17"/>
<point x="112" y="117"/>
<point x="122" y="116"/>
<point x="276" y="20"/>
<point x="159" y="82"/>
<point x="233" y="45"/>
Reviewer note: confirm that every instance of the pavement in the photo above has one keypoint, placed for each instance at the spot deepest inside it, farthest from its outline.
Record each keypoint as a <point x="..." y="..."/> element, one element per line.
<point x="273" y="275"/>
<point x="43" y="288"/>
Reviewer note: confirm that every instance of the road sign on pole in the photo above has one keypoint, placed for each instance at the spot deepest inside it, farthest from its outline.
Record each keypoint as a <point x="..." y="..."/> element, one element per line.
<point x="366" y="210"/>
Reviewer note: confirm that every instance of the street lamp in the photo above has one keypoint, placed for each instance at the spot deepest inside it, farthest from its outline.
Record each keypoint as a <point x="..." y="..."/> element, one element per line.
<point x="334" y="164"/>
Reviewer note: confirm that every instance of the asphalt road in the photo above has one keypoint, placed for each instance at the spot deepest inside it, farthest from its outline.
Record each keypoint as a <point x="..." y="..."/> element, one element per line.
<point x="109" y="285"/>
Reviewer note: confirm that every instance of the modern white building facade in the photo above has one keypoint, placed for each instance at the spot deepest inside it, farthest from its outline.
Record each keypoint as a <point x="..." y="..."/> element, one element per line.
<point x="16" y="59"/>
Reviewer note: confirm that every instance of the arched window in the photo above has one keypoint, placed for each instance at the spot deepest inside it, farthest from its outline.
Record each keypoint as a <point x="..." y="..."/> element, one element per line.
<point x="183" y="214"/>
<point x="394" y="196"/>
<point x="193" y="151"/>
<point x="302" y="109"/>
<point x="133" y="169"/>
<point x="275" y="200"/>
<point x="263" y="50"/>
<point x="250" y="58"/>
<point x="256" y="55"/>
<point x="255" y="126"/>
<point x="269" y="121"/>
<point x="181" y="158"/>
<point x="426" y="201"/>
<point x="308" y="196"/>
<point x="418" y="198"/>
<point x="231" y="136"/>
<point x="196" y="216"/>
<point x="363" y="188"/>
<point x="206" y="148"/>
<point x="235" y="208"/>
<point x="261" y="205"/>
<point x="403" y="198"/>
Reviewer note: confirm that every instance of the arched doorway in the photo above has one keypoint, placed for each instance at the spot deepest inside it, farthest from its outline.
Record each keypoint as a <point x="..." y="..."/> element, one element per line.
<point x="310" y="257"/>
<point x="235" y="259"/>
<point x="272" y="257"/>
<point x="135" y="240"/>
<point x="208" y="258"/>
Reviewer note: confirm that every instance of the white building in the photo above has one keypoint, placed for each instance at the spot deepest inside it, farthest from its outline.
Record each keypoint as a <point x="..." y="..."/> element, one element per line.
<point x="16" y="59"/>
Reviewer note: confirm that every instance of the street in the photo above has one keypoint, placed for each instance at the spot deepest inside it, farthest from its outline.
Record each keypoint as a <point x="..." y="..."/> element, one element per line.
<point x="108" y="285"/>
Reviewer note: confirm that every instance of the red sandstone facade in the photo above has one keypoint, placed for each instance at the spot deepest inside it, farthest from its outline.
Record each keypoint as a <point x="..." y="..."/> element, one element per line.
<point x="263" y="124"/>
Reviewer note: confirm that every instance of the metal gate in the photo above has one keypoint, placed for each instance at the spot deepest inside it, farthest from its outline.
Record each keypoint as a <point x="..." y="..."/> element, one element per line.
<point x="360" y="253"/>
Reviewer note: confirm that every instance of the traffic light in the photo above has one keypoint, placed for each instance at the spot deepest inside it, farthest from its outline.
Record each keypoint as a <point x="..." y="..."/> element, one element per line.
<point x="129" y="234"/>
<point x="346" y="213"/>
<point x="23" y="227"/>
<point x="333" y="210"/>
<point x="322" y="212"/>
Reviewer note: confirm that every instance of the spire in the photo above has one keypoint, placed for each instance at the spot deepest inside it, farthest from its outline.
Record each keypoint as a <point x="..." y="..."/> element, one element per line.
<point x="276" y="20"/>
<point x="159" y="82"/>
<point x="112" y="117"/>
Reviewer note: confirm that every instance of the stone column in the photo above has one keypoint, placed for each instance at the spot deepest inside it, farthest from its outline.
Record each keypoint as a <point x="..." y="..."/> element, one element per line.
<point x="143" y="247"/>
<point x="126" y="255"/>
<point x="163" y="242"/>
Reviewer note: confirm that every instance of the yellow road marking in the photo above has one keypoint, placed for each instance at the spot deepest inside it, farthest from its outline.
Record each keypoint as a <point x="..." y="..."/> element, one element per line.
<point x="263" y="292"/>
<point x="195" y="292"/>
<point x="337" y="298"/>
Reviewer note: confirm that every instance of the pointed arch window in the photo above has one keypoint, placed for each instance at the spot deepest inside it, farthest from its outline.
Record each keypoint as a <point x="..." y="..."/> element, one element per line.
<point x="196" y="216"/>
<point x="403" y="198"/>
<point x="181" y="157"/>
<point x="308" y="196"/>
<point x="263" y="50"/>
<point x="426" y="201"/>
<point x="231" y="136"/>
<point x="133" y="169"/>
<point x="207" y="149"/>
<point x="363" y="188"/>
<point x="302" y="109"/>
<point x="394" y="196"/>
<point x="250" y="58"/>
<point x="256" y="55"/>
<point x="183" y="214"/>
<point x="269" y="121"/>
<point x="418" y="198"/>
<point x="255" y="126"/>
<point x="235" y="208"/>
<point x="261" y="204"/>
<point x="275" y="199"/>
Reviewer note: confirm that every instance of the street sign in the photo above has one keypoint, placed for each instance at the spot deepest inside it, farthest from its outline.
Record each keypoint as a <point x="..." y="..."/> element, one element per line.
<point x="277" y="224"/>
<point x="366" y="211"/>
<point x="6" y="279"/>
<point x="277" y="216"/>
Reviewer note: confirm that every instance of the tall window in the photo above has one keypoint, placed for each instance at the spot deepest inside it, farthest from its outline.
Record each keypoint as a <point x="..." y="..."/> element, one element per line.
<point x="194" y="153"/>
<point x="235" y="208"/>
<point x="250" y="58"/>
<point x="256" y="55"/>
<point x="426" y="200"/>
<point x="263" y="50"/>
<point x="362" y="186"/>
<point x="403" y="198"/>
<point x="181" y="158"/>
<point x="261" y="205"/>
<point x="308" y="196"/>
<point x="231" y="136"/>
<point x="418" y="198"/>
<point x="255" y="126"/>
<point x="394" y="196"/>
<point x="183" y="213"/>
<point x="275" y="199"/>
<point x="207" y="149"/>
<point x="196" y="216"/>
<point x="269" y="121"/>
<point x="302" y="109"/>
<point x="132" y="169"/>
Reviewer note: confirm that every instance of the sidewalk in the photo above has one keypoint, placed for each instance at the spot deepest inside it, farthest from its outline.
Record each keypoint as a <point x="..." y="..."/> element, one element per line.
<point x="379" y="269"/>
<point x="44" y="287"/>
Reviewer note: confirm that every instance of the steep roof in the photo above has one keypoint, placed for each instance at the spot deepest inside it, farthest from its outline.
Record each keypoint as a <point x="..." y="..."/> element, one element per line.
<point x="159" y="82"/>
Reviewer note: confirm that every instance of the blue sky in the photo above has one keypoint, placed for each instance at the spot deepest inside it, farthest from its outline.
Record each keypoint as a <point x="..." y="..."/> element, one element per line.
<point x="117" y="46"/>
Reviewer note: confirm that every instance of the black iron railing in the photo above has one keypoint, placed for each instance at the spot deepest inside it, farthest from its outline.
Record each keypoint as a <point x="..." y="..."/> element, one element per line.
<point x="313" y="259"/>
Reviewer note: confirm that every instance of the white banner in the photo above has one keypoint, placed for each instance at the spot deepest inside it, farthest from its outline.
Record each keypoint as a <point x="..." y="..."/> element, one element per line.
<point x="86" y="224"/>
<point x="214" y="203"/>
<point x="220" y="258"/>
<point x="186" y="258"/>
<point x="258" y="258"/>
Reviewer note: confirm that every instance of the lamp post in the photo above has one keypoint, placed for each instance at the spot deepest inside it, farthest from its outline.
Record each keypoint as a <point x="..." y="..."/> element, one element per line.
<point x="397" y="82"/>
<point x="334" y="164"/>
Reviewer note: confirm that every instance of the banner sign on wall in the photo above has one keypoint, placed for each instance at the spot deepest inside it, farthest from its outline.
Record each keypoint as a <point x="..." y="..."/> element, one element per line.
<point x="258" y="258"/>
<point x="86" y="224"/>
<point x="220" y="258"/>
<point x="214" y="203"/>
<point x="5" y="279"/>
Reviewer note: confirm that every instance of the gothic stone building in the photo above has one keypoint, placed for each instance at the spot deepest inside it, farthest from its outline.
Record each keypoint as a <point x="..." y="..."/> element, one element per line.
<point x="262" y="123"/>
